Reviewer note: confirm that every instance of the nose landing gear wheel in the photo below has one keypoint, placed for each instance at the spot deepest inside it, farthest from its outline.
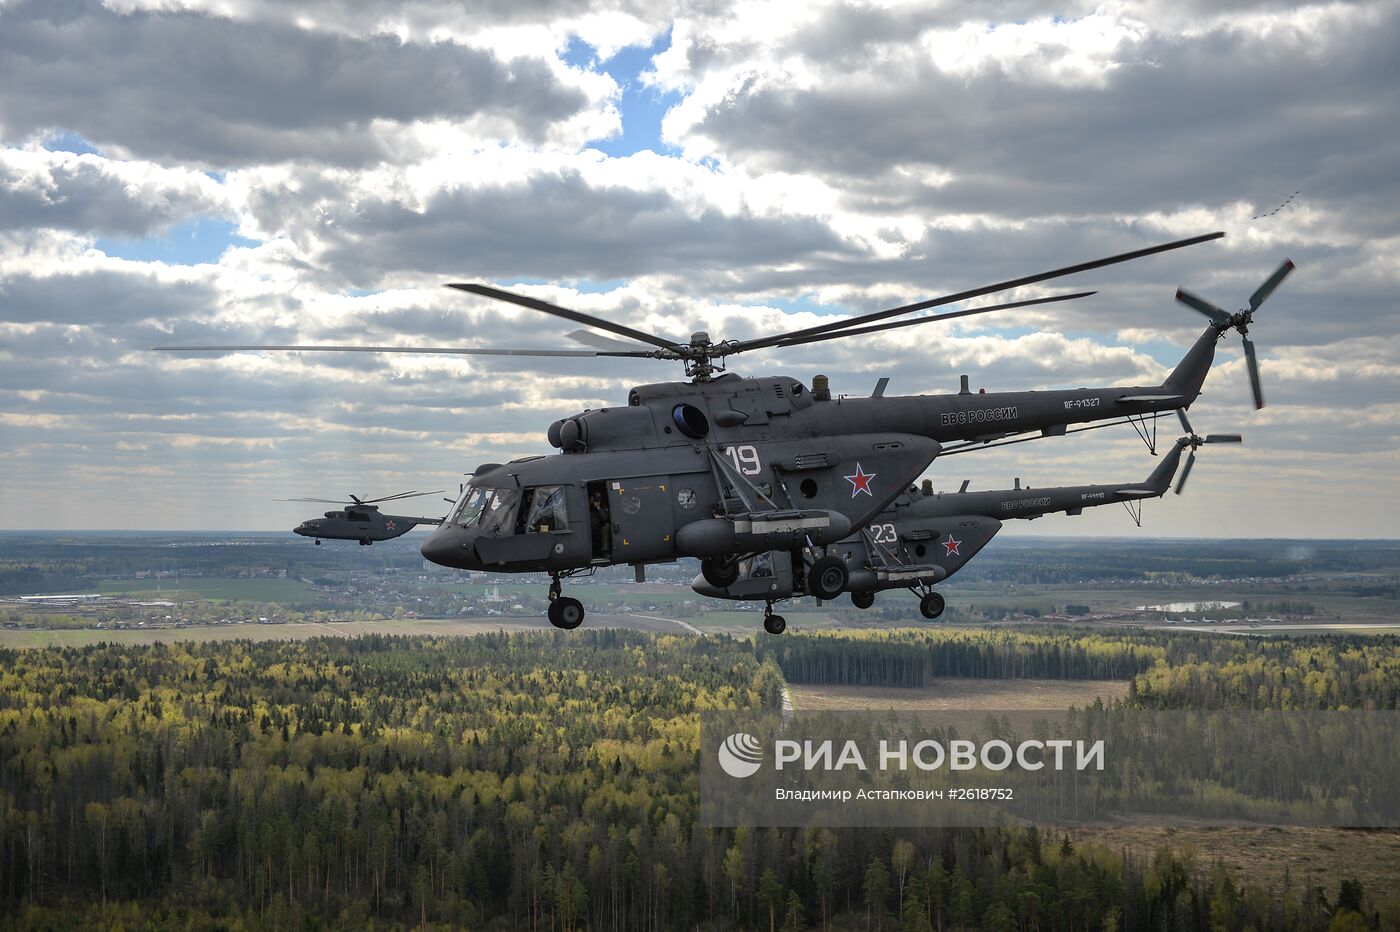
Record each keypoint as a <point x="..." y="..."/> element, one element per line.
<point x="827" y="578"/>
<point x="862" y="599"/>
<point x="931" y="605"/>
<point x="774" y="624"/>
<point x="566" y="613"/>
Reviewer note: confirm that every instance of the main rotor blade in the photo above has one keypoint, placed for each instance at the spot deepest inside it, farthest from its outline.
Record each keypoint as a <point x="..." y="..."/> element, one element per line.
<point x="598" y="341"/>
<point x="411" y="350"/>
<point x="535" y="304"/>
<point x="875" y="328"/>
<point x="1185" y="424"/>
<point x="324" y="501"/>
<point x="1266" y="289"/>
<point x="970" y="293"/>
<point x="396" y="497"/>
<point x="1224" y="438"/>
<point x="1254" y="383"/>
<point x="1217" y="315"/>
<point x="1190" y="461"/>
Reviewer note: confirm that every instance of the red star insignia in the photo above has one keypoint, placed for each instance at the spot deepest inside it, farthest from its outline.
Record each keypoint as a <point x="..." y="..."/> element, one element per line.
<point x="390" y="525"/>
<point x="860" y="482"/>
<point x="950" y="547"/>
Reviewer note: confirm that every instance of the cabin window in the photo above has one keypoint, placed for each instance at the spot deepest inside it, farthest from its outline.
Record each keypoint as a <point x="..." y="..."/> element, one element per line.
<point x="545" y="510"/>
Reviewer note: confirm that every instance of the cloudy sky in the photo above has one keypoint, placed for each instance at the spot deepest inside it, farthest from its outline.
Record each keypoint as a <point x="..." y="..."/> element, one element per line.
<point x="185" y="171"/>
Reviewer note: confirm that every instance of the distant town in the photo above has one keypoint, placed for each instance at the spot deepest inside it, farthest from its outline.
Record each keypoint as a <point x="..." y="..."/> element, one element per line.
<point x="154" y="581"/>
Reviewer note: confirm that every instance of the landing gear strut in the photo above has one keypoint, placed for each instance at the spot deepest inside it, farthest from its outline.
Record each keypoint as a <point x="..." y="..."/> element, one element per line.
<point x="564" y="612"/>
<point x="773" y="624"/>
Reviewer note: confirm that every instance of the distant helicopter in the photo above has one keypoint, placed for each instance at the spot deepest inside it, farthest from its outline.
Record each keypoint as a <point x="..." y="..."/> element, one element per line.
<point x="723" y="467"/>
<point x="925" y="536"/>
<point x="360" y="520"/>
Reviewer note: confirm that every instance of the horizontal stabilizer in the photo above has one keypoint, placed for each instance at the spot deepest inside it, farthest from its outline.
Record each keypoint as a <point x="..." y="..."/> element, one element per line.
<point x="1160" y="398"/>
<point x="1136" y="493"/>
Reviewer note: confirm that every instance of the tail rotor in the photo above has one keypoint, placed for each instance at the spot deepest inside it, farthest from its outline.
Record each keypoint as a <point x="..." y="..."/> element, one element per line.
<point x="1241" y="320"/>
<point x="1195" y="442"/>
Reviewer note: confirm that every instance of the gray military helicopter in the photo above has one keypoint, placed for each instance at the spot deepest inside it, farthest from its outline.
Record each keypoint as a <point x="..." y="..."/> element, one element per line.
<point x="361" y="519"/>
<point x="722" y="467"/>
<point x="925" y="537"/>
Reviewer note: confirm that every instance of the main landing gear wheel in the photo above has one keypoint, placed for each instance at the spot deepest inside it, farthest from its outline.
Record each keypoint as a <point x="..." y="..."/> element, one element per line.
<point x="566" y="613"/>
<point x="862" y="599"/>
<point x="720" y="572"/>
<point x="827" y="578"/>
<point x="318" y="542"/>
<point x="931" y="605"/>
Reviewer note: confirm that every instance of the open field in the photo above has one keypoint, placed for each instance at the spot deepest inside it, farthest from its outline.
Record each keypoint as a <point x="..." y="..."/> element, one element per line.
<point x="1334" y="601"/>
<point x="960" y="693"/>
<point x="280" y="591"/>
<point x="433" y="627"/>
<point x="1309" y="857"/>
<point x="1298" y="629"/>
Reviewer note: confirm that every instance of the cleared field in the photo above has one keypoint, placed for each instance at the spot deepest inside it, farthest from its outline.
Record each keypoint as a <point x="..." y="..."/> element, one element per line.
<point x="447" y="627"/>
<point x="281" y="591"/>
<point x="1296" y="629"/>
<point x="960" y="693"/>
<point x="1305" y="857"/>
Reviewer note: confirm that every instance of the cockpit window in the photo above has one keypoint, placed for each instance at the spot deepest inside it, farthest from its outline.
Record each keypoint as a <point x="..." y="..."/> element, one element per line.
<point x="468" y="509"/>
<point x="488" y="509"/>
<point x="547" y="511"/>
<point x="758" y="567"/>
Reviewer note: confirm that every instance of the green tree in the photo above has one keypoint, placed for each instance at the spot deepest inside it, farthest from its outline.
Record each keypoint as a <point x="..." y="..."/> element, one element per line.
<point x="877" y="891"/>
<point x="793" y="915"/>
<point x="770" y="896"/>
<point x="902" y="859"/>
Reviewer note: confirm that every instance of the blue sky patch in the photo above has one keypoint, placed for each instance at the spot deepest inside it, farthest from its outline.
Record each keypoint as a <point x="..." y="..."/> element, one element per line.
<point x="805" y="303"/>
<point x="193" y="242"/>
<point x="70" y="142"/>
<point x="641" y="106"/>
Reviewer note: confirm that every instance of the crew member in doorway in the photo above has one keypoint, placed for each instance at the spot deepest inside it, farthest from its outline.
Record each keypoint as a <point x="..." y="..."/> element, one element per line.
<point x="598" y="522"/>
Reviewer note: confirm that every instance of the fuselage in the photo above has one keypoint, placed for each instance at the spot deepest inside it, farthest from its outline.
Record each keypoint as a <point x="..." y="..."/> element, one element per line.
<point x="364" y="523"/>
<point x="742" y="465"/>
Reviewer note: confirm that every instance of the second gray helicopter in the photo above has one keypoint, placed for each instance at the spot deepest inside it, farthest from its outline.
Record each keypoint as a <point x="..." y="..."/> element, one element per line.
<point x="925" y="537"/>
<point x="361" y="520"/>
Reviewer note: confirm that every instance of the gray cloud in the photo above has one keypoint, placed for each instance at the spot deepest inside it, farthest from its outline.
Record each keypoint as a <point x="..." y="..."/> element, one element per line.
<point x="189" y="86"/>
<point x="1202" y="119"/>
<point x="86" y="194"/>
<point x="550" y="226"/>
<point x="98" y="296"/>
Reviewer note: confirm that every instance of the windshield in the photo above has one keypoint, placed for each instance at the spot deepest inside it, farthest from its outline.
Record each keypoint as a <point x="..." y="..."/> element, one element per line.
<point x="468" y="509"/>
<point x="484" y="508"/>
